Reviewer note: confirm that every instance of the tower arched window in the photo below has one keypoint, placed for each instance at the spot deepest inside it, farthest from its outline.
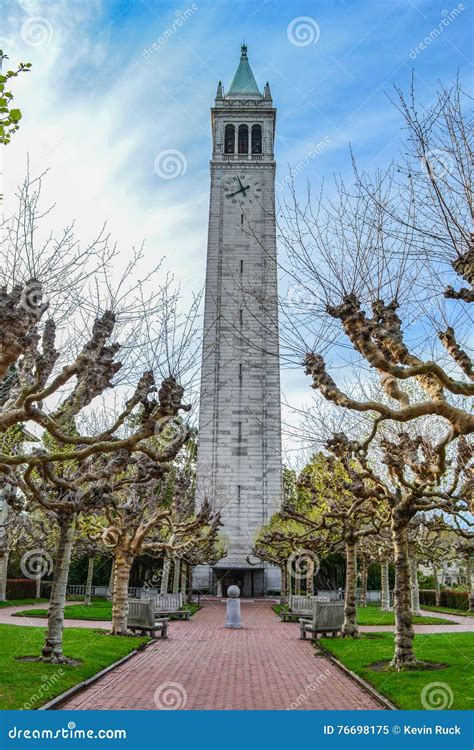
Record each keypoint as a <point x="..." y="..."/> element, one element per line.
<point x="243" y="141"/>
<point x="229" y="139"/>
<point x="256" y="139"/>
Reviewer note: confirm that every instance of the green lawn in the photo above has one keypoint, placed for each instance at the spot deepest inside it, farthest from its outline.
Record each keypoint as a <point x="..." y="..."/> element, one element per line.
<point x="100" y="609"/>
<point x="22" y="602"/>
<point x="30" y="684"/>
<point x="372" y="615"/>
<point x="447" y="610"/>
<point x="404" y="689"/>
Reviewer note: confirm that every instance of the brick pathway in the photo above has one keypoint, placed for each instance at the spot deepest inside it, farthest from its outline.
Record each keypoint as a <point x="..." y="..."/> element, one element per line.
<point x="205" y="666"/>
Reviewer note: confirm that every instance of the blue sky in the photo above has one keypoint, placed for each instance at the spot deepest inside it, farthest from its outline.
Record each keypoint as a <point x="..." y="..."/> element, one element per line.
<point x="101" y="104"/>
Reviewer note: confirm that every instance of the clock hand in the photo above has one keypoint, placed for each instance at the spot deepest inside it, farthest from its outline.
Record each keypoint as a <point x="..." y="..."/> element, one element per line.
<point x="242" y="189"/>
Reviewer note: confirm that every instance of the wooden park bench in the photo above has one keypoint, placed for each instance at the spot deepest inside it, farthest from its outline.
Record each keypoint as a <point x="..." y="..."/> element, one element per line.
<point x="141" y="617"/>
<point x="300" y="606"/>
<point x="327" y="617"/>
<point x="167" y="605"/>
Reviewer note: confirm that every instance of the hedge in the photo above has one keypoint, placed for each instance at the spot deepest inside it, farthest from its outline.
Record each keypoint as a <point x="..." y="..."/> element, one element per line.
<point x="20" y="588"/>
<point x="448" y="598"/>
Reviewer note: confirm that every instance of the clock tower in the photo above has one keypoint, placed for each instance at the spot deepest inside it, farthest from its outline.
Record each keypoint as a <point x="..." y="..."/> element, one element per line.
<point x="239" y="448"/>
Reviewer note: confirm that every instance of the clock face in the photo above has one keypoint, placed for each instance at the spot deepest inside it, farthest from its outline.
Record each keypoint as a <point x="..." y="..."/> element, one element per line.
<point x="241" y="189"/>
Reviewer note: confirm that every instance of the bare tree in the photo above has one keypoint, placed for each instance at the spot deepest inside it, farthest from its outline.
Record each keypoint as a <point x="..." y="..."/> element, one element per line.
<point x="52" y="382"/>
<point x="153" y="517"/>
<point x="385" y="266"/>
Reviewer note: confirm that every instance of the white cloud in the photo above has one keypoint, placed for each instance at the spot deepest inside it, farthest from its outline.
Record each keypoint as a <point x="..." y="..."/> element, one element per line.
<point x="99" y="153"/>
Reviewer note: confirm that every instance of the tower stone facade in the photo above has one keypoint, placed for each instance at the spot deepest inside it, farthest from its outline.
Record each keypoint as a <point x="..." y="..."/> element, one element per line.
<point x="239" y="449"/>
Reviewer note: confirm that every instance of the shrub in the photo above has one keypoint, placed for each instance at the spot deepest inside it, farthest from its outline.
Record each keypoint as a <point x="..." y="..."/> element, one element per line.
<point x="46" y="587"/>
<point x="448" y="598"/>
<point x="428" y="596"/>
<point x="455" y="599"/>
<point x="20" y="588"/>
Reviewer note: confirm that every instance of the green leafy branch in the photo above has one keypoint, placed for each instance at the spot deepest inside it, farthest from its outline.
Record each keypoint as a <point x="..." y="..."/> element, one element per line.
<point x="9" y="116"/>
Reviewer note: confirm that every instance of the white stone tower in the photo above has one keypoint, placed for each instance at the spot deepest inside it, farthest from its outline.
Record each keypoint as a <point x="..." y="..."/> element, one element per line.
<point x="239" y="450"/>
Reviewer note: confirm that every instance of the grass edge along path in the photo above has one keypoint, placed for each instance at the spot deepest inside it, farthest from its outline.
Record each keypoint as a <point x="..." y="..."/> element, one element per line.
<point x="41" y="600"/>
<point x="21" y="602"/>
<point x="97" y="611"/>
<point x="447" y="610"/>
<point x="28" y="685"/>
<point x="413" y="690"/>
<point x="373" y="615"/>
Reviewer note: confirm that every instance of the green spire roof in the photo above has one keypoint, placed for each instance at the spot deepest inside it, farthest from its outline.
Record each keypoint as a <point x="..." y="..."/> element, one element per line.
<point x="244" y="80"/>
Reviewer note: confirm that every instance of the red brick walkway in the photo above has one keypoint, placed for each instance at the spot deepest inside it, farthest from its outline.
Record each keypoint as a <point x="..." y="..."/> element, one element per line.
<point x="205" y="666"/>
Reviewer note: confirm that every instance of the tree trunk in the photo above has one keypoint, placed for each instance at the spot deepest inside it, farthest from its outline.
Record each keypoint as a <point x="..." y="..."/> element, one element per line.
<point x="363" y="582"/>
<point x="404" y="656"/>
<point x="110" y="592"/>
<point x="436" y="584"/>
<point x="53" y="645"/>
<point x="122" y="567"/>
<point x="165" y="576"/>
<point x="184" y="580"/>
<point x="415" y="589"/>
<point x="177" y="564"/>
<point x="3" y="576"/>
<point x="349" y="627"/>
<point x="4" y="554"/>
<point x="384" y="587"/>
<point x="283" y="588"/>
<point x="297" y="585"/>
<point x="289" y="581"/>
<point x="310" y="579"/>
<point x="90" y="576"/>
<point x="470" y="582"/>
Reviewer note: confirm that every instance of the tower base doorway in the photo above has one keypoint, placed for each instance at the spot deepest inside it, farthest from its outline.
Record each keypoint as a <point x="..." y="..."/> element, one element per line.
<point x="250" y="581"/>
